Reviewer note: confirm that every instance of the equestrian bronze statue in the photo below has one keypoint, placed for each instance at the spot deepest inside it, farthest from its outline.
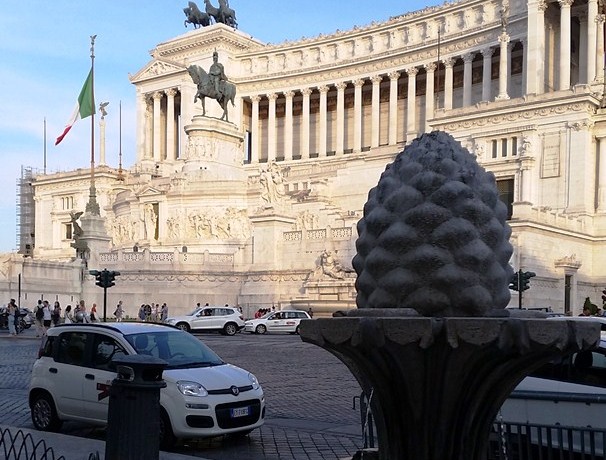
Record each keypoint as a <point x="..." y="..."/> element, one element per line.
<point x="213" y="84"/>
<point x="195" y="16"/>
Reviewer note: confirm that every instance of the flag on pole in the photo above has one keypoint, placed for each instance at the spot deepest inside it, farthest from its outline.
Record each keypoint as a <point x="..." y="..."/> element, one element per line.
<point x="85" y="106"/>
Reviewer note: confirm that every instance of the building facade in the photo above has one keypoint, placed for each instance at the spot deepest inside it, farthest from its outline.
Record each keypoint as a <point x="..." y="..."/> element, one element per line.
<point x="262" y="210"/>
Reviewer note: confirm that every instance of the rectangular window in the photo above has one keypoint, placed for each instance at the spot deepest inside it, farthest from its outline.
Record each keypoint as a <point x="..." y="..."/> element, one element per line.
<point x="505" y="189"/>
<point x="567" y="289"/>
<point x="503" y="147"/>
<point x="514" y="146"/>
<point x="68" y="231"/>
<point x="494" y="148"/>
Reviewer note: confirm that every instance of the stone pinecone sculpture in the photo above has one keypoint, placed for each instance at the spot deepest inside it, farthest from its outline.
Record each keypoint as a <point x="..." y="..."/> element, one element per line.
<point x="434" y="236"/>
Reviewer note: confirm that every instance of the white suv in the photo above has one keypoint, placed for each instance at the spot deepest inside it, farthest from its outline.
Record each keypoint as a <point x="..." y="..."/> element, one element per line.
<point x="203" y="397"/>
<point x="226" y="320"/>
<point x="279" y="321"/>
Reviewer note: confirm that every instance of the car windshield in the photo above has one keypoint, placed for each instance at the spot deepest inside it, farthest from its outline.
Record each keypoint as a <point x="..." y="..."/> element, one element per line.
<point x="179" y="349"/>
<point x="194" y="311"/>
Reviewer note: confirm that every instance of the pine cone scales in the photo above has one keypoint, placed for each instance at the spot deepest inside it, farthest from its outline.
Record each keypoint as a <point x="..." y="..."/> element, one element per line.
<point x="434" y="236"/>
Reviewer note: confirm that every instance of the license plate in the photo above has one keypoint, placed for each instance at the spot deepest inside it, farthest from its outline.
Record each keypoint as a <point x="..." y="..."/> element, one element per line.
<point x="239" y="412"/>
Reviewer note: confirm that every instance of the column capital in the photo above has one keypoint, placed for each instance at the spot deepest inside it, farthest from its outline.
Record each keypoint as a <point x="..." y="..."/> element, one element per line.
<point x="157" y="95"/>
<point x="504" y="38"/>
<point x="393" y="75"/>
<point x="600" y="18"/>
<point x="376" y="79"/>
<point x="323" y="89"/>
<point x="358" y="83"/>
<point x="431" y="67"/>
<point x="272" y="96"/>
<point x="306" y="92"/>
<point x="487" y="52"/>
<point x="468" y="57"/>
<point x="448" y="62"/>
<point x="255" y="99"/>
<point x="542" y="6"/>
<point x="565" y="3"/>
<point x="171" y="92"/>
<point x="341" y="86"/>
<point x="289" y="94"/>
<point x="412" y="71"/>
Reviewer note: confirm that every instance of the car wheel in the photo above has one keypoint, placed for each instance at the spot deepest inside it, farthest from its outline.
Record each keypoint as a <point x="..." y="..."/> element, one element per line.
<point x="230" y="329"/>
<point x="167" y="437"/>
<point x="44" y="414"/>
<point x="261" y="329"/>
<point x="297" y="330"/>
<point x="183" y="326"/>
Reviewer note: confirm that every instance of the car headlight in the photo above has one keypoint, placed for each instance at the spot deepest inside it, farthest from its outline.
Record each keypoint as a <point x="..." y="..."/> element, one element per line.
<point x="254" y="381"/>
<point x="191" y="388"/>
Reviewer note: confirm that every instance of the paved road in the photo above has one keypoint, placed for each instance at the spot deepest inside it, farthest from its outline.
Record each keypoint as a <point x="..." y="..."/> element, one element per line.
<point x="309" y="399"/>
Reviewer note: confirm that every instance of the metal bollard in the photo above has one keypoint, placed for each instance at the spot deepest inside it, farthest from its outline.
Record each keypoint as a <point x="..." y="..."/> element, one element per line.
<point x="133" y="422"/>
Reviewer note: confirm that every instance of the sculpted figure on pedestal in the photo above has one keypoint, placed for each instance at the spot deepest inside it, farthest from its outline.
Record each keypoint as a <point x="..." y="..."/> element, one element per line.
<point x="195" y="16"/>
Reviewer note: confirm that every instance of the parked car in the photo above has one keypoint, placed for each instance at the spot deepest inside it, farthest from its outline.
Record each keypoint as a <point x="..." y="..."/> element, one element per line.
<point x="227" y="320"/>
<point x="279" y="321"/>
<point x="203" y="397"/>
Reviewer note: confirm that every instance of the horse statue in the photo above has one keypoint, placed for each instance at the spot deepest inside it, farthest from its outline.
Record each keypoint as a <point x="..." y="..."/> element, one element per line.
<point x="206" y="88"/>
<point x="195" y="16"/>
<point x="224" y="14"/>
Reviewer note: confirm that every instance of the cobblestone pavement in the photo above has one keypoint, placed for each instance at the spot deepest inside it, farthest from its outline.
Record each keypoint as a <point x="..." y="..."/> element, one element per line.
<point x="309" y="399"/>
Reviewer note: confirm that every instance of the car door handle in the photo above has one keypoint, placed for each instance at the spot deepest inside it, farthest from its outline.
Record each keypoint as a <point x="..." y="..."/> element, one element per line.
<point x="89" y="376"/>
<point x="53" y="370"/>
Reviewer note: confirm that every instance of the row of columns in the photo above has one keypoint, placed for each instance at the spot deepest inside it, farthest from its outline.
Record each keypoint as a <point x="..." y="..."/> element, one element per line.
<point x="591" y="45"/>
<point x="159" y="127"/>
<point x="411" y="128"/>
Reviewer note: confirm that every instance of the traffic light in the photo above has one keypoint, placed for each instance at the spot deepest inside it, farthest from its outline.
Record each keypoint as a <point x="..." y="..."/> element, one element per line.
<point x="513" y="283"/>
<point x="525" y="279"/>
<point x="104" y="278"/>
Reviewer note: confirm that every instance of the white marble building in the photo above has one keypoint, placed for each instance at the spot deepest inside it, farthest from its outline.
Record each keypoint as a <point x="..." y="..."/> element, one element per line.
<point x="240" y="212"/>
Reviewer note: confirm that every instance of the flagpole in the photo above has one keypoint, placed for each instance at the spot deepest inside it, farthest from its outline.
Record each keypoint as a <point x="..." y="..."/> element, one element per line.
<point x="120" y="176"/>
<point x="92" y="207"/>
<point x="45" y="146"/>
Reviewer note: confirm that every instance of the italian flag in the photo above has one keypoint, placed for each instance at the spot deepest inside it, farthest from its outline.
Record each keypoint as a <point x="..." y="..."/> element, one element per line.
<point x="85" y="106"/>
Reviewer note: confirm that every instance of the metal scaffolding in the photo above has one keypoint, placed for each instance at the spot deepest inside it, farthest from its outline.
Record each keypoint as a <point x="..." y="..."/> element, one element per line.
<point x="26" y="222"/>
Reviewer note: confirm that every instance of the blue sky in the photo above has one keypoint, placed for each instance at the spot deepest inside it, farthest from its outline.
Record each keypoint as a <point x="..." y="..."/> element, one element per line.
<point x="45" y="56"/>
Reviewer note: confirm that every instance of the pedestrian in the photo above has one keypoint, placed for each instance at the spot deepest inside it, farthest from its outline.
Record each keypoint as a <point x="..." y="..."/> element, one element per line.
<point x="148" y="312"/>
<point x="119" y="312"/>
<point x="142" y="312"/>
<point x="68" y="317"/>
<point x="39" y="315"/>
<point x="48" y="316"/>
<point x="164" y="312"/>
<point x="11" y="309"/>
<point x="310" y="312"/>
<point x="56" y="314"/>
<point x="93" y="313"/>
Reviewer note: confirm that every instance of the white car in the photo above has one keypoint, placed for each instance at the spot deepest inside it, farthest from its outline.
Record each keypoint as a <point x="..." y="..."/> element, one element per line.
<point x="226" y="320"/>
<point x="203" y="397"/>
<point x="279" y="321"/>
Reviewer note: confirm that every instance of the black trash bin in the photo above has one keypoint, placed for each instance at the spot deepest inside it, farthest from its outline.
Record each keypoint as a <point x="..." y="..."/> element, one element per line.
<point x="133" y="422"/>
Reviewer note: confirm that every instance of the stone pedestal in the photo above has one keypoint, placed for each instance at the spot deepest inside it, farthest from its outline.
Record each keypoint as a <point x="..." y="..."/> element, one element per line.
<point x="438" y="383"/>
<point x="94" y="236"/>
<point x="214" y="150"/>
<point x="268" y="229"/>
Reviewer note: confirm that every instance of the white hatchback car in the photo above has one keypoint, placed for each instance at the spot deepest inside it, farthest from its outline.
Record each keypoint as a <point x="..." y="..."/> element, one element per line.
<point x="203" y="397"/>
<point x="226" y="320"/>
<point x="279" y="321"/>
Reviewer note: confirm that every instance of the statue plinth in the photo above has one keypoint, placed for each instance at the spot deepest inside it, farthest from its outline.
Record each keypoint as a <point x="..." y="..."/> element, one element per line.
<point x="214" y="150"/>
<point x="438" y="383"/>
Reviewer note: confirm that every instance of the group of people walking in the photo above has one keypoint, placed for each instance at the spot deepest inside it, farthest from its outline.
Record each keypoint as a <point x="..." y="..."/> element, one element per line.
<point x="153" y="313"/>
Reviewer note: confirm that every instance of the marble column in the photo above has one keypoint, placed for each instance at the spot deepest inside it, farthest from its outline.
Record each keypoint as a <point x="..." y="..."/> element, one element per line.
<point x="467" y="81"/>
<point x="411" y="110"/>
<point x="448" y="82"/>
<point x="599" y="66"/>
<point x="357" y="147"/>
<point x="340" y="128"/>
<point x="141" y="124"/>
<point x="393" y="107"/>
<point x="376" y="110"/>
<point x="149" y="128"/>
<point x="487" y="73"/>
<point x="158" y="95"/>
<point x="430" y="95"/>
<point x="288" y="120"/>
<point x="503" y="67"/>
<point x="323" y="121"/>
<point x="305" y="124"/>
<point x="271" y="127"/>
<point x="602" y="175"/>
<point x="255" y="131"/>
<point x="564" y="73"/>
<point x="171" y="151"/>
<point x="592" y="13"/>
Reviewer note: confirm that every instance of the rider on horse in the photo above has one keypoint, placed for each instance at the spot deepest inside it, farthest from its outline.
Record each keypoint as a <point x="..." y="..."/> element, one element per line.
<point x="216" y="72"/>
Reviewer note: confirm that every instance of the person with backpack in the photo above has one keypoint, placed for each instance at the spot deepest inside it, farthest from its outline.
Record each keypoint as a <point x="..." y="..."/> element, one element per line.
<point x="39" y="314"/>
<point x="56" y="314"/>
